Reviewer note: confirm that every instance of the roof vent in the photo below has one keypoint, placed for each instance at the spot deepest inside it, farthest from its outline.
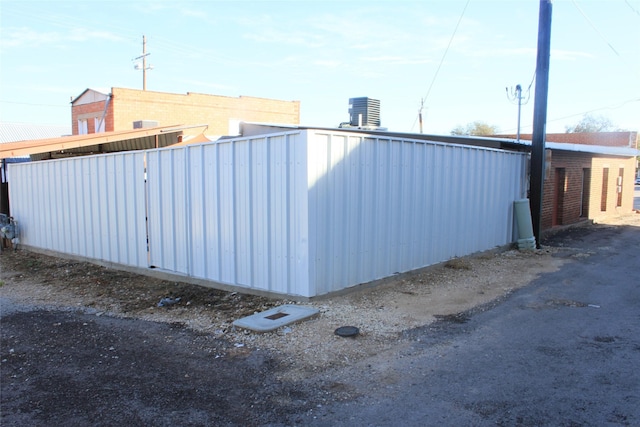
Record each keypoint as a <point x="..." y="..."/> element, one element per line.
<point x="139" y="124"/>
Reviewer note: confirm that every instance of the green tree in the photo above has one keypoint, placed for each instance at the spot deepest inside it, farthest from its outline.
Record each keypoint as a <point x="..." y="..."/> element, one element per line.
<point x="476" y="128"/>
<point x="592" y="123"/>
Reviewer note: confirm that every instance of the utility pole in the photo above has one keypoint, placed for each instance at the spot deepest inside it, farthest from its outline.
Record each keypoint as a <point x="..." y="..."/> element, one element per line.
<point x="540" y="117"/>
<point x="420" y="113"/>
<point x="144" y="66"/>
<point x="517" y="95"/>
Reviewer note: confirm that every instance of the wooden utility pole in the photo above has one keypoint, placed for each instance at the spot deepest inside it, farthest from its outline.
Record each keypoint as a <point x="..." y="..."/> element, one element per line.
<point x="144" y="63"/>
<point x="540" y="118"/>
<point x="420" y="113"/>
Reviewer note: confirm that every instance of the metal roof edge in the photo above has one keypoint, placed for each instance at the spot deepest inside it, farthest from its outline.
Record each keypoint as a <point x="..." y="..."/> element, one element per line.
<point x="21" y="148"/>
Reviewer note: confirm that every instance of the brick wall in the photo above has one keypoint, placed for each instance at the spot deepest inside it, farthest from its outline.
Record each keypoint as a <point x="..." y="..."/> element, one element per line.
<point x="169" y="109"/>
<point x="90" y="112"/>
<point x="563" y="201"/>
<point x="614" y="166"/>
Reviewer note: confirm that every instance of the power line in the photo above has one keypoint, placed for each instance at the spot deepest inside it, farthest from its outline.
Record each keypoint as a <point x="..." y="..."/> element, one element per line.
<point x="594" y="27"/>
<point x="608" y="107"/>
<point x="603" y="37"/>
<point x="632" y="8"/>
<point x="34" y="105"/>
<point x="444" y="55"/>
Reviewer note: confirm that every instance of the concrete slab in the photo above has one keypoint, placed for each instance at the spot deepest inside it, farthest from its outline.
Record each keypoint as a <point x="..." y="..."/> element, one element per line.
<point x="276" y="317"/>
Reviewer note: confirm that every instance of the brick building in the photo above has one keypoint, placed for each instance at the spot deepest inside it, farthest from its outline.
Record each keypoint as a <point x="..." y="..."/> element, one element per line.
<point x="103" y="110"/>
<point x="588" y="176"/>
<point x="582" y="185"/>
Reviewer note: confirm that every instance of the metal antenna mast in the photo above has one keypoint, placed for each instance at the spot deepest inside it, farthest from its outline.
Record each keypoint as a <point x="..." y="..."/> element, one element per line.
<point x="144" y="66"/>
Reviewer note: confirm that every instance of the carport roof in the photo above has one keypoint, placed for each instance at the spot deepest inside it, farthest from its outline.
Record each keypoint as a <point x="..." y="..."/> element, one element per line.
<point x="125" y="140"/>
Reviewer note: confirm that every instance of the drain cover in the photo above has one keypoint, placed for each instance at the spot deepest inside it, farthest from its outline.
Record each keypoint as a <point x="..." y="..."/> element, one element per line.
<point x="347" y="331"/>
<point x="274" y="318"/>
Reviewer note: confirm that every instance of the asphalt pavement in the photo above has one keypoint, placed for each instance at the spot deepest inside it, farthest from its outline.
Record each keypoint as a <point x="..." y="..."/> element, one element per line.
<point x="563" y="351"/>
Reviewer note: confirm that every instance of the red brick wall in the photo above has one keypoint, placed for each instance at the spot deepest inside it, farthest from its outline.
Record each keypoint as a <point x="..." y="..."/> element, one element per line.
<point x="91" y="111"/>
<point x="569" y="207"/>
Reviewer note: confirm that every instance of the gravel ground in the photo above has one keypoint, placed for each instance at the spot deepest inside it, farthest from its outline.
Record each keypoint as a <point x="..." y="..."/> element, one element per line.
<point x="381" y="313"/>
<point x="87" y="345"/>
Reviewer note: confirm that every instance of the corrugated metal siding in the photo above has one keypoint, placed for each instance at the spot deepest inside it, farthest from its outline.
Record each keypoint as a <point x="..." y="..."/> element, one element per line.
<point x="378" y="206"/>
<point x="300" y="212"/>
<point x="89" y="206"/>
<point x="232" y="212"/>
<point x="12" y="132"/>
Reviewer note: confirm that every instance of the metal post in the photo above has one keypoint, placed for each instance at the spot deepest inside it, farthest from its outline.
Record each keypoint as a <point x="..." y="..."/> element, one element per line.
<point x="4" y="189"/>
<point x="540" y="117"/>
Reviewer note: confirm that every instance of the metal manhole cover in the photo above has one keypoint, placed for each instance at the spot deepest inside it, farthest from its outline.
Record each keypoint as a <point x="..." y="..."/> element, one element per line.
<point x="347" y="331"/>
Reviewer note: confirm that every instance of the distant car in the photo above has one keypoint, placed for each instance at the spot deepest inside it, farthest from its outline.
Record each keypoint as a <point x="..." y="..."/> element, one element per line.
<point x="638" y="181"/>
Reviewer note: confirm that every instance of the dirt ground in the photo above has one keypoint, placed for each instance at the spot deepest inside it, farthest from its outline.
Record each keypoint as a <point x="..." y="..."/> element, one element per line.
<point x="88" y="325"/>
<point x="381" y="313"/>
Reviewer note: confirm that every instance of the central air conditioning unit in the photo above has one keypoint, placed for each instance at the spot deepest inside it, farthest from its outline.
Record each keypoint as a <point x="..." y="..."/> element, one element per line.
<point x="364" y="112"/>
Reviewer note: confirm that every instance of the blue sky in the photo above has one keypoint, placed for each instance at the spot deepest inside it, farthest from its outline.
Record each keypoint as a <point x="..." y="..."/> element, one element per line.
<point x="403" y="53"/>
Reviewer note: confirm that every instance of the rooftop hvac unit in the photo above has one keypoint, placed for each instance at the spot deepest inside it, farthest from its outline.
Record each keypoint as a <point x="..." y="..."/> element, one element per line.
<point x="139" y="124"/>
<point x="364" y="112"/>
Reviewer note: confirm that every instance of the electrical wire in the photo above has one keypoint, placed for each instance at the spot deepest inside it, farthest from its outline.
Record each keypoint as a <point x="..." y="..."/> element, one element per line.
<point x="444" y="55"/>
<point x="124" y="34"/>
<point x="604" y="38"/>
<point x="570" y="116"/>
<point x="34" y="105"/>
<point x="609" y="107"/>
<point x="632" y="8"/>
<point x="595" y="28"/>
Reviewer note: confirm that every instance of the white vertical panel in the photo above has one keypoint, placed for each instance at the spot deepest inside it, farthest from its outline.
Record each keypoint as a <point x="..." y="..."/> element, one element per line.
<point x="260" y="213"/>
<point x="168" y="207"/>
<point x="227" y="213"/>
<point x="242" y="208"/>
<point x="81" y="206"/>
<point x="211" y="213"/>
<point x="196" y="224"/>
<point x="278" y="232"/>
<point x="299" y="213"/>
<point x="243" y="234"/>
<point x="381" y="205"/>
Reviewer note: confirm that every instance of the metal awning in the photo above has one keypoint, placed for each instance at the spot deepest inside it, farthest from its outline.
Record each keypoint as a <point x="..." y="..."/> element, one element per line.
<point x="104" y="142"/>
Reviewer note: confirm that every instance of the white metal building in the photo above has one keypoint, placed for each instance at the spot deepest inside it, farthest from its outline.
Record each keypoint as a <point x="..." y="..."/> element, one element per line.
<point x="300" y="211"/>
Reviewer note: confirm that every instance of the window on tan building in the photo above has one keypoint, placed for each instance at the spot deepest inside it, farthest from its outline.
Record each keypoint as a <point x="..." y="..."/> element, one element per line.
<point x="586" y="186"/>
<point x="83" y="127"/>
<point x="619" y="186"/>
